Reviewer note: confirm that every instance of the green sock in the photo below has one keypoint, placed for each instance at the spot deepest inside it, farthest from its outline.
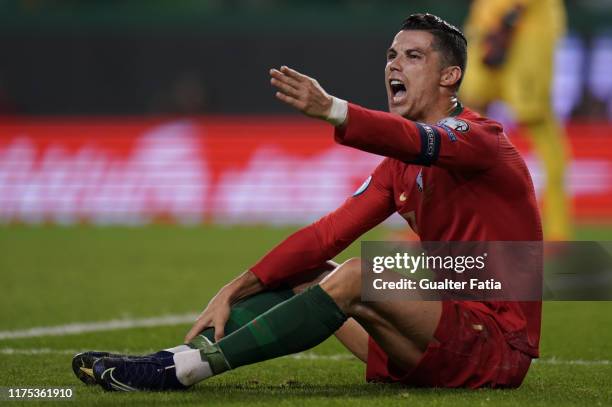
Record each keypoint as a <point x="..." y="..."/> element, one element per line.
<point x="297" y="324"/>
<point x="246" y="310"/>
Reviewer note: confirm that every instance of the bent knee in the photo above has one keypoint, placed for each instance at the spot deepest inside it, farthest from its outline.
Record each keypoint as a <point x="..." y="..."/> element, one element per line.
<point x="344" y="283"/>
<point x="352" y="266"/>
<point x="349" y="271"/>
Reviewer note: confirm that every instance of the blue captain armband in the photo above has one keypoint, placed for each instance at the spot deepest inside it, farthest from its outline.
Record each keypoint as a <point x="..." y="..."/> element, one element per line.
<point x="430" y="145"/>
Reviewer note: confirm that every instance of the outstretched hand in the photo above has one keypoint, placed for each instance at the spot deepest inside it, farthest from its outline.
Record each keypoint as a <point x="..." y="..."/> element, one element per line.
<point x="301" y="92"/>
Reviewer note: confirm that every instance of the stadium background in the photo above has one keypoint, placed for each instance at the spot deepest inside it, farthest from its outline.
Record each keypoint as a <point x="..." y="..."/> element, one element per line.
<point x="118" y="113"/>
<point x="144" y="161"/>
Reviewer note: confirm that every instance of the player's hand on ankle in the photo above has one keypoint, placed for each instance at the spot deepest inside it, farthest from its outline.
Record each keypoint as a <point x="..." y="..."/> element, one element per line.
<point x="215" y="315"/>
<point x="301" y="92"/>
<point x="217" y="312"/>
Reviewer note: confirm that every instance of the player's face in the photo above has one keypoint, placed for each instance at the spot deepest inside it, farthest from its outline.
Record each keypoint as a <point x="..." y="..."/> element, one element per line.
<point x="412" y="74"/>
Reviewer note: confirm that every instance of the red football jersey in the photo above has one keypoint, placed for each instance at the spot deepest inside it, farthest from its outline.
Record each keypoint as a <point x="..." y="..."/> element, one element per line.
<point x="458" y="180"/>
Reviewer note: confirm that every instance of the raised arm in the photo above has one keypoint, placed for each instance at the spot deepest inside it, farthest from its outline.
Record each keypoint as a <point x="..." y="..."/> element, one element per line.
<point x="454" y="143"/>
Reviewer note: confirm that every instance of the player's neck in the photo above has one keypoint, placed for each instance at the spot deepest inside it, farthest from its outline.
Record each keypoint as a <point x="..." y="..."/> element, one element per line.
<point x="446" y="107"/>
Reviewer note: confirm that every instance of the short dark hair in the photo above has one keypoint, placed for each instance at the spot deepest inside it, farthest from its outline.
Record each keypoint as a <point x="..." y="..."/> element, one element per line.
<point x="449" y="40"/>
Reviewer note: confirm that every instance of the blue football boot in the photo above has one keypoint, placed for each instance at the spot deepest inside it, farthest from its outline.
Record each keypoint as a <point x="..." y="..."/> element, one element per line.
<point x="82" y="365"/>
<point x="144" y="373"/>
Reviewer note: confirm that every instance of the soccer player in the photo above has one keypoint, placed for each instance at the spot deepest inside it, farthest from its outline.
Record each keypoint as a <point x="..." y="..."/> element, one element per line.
<point x="511" y="50"/>
<point x="452" y="174"/>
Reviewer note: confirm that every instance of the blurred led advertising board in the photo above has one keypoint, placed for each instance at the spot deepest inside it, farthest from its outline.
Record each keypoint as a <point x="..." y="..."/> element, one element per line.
<point x="233" y="170"/>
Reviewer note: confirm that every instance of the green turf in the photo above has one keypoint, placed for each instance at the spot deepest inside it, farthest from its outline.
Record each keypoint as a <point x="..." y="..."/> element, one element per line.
<point x="53" y="276"/>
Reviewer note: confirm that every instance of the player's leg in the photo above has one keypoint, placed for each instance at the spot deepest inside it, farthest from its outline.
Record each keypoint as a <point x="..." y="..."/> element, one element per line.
<point x="449" y="344"/>
<point x="184" y="365"/>
<point x="278" y="332"/>
<point x="323" y="309"/>
<point x="403" y="329"/>
<point x="549" y="142"/>
<point x="527" y="84"/>
<point x="249" y="308"/>
<point x="352" y="335"/>
<point x="300" y="323"/>
<point x="241" y="313"/>
<point x="295" y="325"/>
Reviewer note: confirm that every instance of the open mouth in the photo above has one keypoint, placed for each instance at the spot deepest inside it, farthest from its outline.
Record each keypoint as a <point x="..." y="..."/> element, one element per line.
<point x="398" y="90"/>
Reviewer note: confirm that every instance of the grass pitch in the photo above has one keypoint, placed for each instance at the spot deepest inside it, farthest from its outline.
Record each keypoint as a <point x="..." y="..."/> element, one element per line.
<point x="54" y="276"/>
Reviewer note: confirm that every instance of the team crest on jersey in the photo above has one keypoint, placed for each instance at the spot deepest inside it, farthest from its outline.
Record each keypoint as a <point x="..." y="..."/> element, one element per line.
<point x="419" y="180"/>
<point x="455" y="124"/>
<point x="363" y="186"/>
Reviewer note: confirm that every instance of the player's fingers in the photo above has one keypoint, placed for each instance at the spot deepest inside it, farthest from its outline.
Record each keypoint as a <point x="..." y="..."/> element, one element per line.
<point x="198" y="327"/>
<point x="191" y="334"/>
<point x="284" y="88"/>
<point x="292" y="73"/>
<point x="219" y="330"/>
<point x="278" y="75"/>
<point x="290" y="100"/>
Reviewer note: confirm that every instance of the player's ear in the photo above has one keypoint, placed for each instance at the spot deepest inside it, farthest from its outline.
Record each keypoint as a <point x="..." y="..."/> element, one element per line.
<point x="450" y="76"/>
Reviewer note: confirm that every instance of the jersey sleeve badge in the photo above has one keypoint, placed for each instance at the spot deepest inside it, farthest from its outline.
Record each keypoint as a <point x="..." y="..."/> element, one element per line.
<point x="455" y="124"/>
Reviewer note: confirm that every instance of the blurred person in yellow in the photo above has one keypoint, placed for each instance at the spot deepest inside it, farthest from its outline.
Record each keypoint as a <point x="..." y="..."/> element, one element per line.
<point x="511" y="47"/>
